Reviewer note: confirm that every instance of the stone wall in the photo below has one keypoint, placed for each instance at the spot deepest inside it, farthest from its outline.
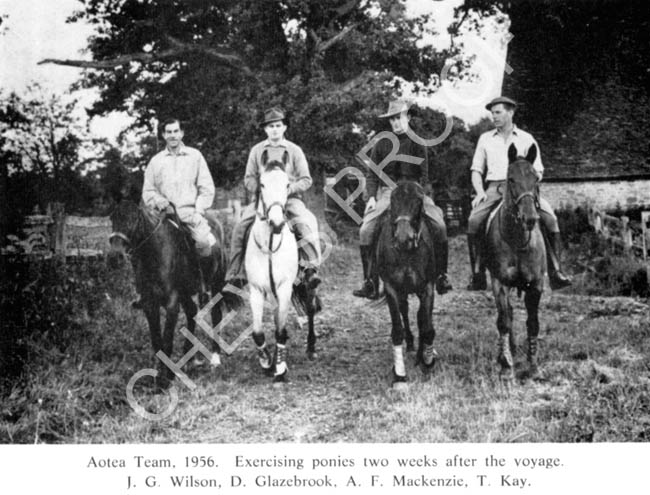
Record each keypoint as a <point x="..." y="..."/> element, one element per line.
<point x="603" y="194"/>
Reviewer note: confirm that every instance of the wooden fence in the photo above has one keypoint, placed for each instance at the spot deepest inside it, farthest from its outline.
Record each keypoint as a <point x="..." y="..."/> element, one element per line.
<point x="632" y="238"/>
<point x="75" y="236"/>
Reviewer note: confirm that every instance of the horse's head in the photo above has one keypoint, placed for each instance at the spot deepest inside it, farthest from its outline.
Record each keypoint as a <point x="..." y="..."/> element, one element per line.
<point x="521" y="191"/>
<point x="124" y="222"/>
<point x="406" y="204"/>
<point x="274" y="191"/>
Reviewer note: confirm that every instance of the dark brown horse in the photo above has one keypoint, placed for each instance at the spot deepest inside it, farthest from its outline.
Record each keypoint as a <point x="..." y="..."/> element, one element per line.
<point x="405" y="263"/>
<point x="166" y="274"/>
<point x="517" y="257"/>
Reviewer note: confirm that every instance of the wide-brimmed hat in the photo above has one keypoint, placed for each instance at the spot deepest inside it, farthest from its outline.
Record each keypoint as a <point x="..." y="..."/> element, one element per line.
<point x="273" y="114"/>
<point x="501" y="99"/>
<point x="395" y="107"/>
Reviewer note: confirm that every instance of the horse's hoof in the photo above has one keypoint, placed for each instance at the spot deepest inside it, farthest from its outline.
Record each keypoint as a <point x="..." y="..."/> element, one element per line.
<point x="399" y="381"/>
<point x="400" y="386"/>
<point x="312" y="355"/>
<point x="215" y="360"/>
<point x="265" y="359"/>
<point x="410" y="347"/>
<point x="279" y="380"/>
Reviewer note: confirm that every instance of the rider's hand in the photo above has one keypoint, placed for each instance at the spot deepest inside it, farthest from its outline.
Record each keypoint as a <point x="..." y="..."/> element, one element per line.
<point x="170" y="210"/>
<point x="480" y="197"/>
<point x="370" y="205"/>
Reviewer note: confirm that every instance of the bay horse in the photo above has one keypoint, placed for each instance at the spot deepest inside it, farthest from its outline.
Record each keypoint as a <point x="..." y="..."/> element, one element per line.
<point x="166" y="274"/>
<point x="516" y="258"/>
<point x="406" y="264"/>
<point x="272" y="265"/>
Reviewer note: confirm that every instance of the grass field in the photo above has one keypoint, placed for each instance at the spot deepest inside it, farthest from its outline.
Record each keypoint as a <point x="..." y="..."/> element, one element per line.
<point x="594" y="383"/>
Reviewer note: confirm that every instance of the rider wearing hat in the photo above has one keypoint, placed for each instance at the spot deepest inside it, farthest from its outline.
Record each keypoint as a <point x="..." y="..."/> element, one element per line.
<point x="379" y="198"/>
<point x="304" y="222"/>
<point x="491" y="162"/>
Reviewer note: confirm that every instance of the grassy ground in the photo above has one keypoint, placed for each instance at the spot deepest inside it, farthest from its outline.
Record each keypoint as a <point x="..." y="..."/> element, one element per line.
<point x="594" y="383"/>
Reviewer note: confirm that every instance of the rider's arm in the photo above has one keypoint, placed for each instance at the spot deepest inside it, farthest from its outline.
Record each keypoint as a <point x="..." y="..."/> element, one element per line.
<point x="372" y="180"/>
<point x="251" y="177"/>
<point x="205" y="186"/>
<point x="150" y="195"/>
<point x="479" y="165"/>
<point x="303" y="177"/>
<point x="477" y="183"/>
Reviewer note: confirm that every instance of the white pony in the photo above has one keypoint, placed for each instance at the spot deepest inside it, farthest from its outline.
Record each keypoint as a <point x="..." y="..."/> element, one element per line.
<point x="271" y="263"/>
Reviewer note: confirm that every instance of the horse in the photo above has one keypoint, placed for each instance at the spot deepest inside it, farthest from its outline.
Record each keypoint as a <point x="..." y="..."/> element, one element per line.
<point x="272" y="264"/>
<point x="406" y="264"/>
<point x="166" y="274"/>
<point x="516" y="258"/>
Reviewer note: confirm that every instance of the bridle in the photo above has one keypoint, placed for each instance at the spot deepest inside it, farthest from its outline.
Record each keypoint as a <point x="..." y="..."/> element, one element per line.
<point x="264" y="216"/>
<point x="509" y="211"/>
<point x="127" y="240"/>
<point x="407" y="218"/>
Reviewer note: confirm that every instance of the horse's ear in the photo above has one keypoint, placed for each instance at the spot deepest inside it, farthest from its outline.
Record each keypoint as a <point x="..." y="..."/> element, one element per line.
<point x="265" y="157"/>
<point x="512" y="153"/>
<point x="531" y="156"/>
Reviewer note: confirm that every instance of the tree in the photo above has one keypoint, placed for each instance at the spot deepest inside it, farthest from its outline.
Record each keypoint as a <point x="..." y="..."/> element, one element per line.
<point x="218" y="64"/>
<point x="580" y="70"/>
<point x="46" y="150"/>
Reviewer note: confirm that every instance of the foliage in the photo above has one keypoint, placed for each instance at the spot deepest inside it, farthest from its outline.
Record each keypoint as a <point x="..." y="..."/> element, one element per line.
<point x="218" y="65"/>
<point x="580" y="72"/>
<point x="603" y="269"/>
<point x="46" y="151"/>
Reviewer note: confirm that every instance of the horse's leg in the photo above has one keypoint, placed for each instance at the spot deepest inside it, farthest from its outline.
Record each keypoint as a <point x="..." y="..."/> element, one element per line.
<point x="311" y="334"/>
<point x="281" y="335"/>
<point x="397" y="336"/>
<point x="531" y="299"/>
<point x="404" y="311"/>
<point x="426" y="352"/>
<point x="171" y="318"/>
<point x="257" y="309"/>
<point x="504" y="324"/>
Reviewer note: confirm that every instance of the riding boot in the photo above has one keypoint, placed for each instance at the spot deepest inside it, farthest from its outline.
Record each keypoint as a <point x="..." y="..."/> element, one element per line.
<point x="478" y="280"/>
<point x="442" y="255"/>
<point x="370" y="281"/>
<point x="557" y="279"/>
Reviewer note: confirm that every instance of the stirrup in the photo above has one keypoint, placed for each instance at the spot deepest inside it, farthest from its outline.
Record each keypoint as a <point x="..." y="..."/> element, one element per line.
<point x="559" y="281"/>
<point x="442" y="284"/>
<point x="478" y="282"/>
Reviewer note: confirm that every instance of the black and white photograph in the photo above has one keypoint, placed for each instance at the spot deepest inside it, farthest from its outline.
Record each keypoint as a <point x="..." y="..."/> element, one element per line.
<point x="339" y="226"/>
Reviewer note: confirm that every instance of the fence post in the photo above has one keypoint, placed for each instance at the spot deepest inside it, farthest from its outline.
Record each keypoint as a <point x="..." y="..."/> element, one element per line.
<point x="645" y="218"/>
<point x="626" y="233"/>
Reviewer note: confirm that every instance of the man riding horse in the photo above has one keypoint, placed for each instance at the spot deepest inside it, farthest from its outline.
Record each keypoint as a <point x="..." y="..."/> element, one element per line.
<point x="491" y="160"/>
<point x="379" y="199"/>
<point x="178" y="183"/>
<point x="304" y="223"/>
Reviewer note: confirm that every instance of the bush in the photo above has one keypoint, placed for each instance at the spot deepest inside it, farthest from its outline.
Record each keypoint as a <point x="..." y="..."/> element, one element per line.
<point x="43" y="301"/>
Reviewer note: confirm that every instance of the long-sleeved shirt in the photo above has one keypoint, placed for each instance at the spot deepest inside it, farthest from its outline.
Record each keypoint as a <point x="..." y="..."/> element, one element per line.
<point x="182" y="178"/>
<point x="297" y="168"/>
<point x="492" y="153"/>
<point x="398" y="170"/>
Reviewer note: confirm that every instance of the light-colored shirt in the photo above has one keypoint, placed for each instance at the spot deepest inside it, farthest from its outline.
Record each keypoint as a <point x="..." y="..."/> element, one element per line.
<point x="297" y="168"/>
<point x="182" y="178"/>
<point x="492" y="153"/>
